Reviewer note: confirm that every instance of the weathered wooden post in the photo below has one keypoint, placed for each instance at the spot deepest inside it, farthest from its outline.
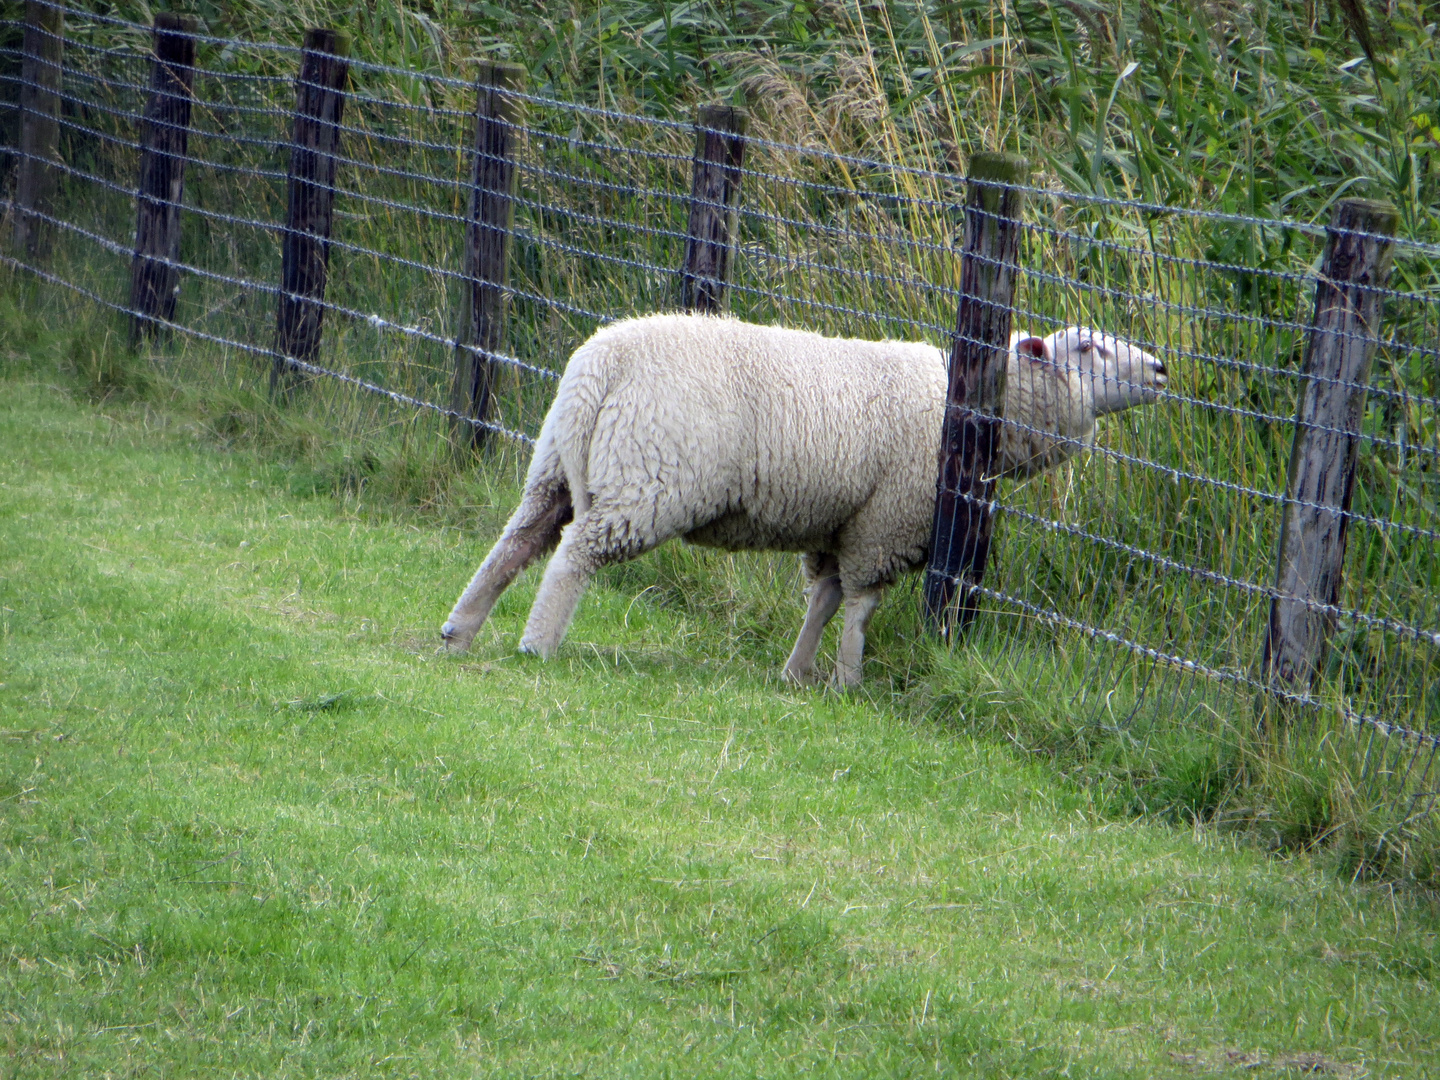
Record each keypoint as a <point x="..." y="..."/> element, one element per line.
<point x="155" y="270"/>
<point x="714" y="195"/>
<point x="43" y="51"/>
<point x="1343" y="336"/>
<point x="310" y="196"/>
<point x="960" y="536"/>
<point x="484" y="294"/>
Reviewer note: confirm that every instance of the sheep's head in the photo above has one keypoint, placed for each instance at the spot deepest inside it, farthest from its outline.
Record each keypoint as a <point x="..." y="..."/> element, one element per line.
<point x="1118" y="373"/>
<point x="1059" y="384"/>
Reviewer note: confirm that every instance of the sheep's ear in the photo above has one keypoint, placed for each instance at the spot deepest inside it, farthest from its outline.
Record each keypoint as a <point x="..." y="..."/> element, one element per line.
<point x="1032" y="347"/>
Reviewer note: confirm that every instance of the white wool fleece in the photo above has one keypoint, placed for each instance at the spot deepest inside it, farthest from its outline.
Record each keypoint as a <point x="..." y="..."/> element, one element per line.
<point x="741" y="436"/>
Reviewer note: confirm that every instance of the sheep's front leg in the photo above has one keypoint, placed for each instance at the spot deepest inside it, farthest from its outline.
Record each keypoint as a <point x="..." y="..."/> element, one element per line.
<point x="825" y="595"/>
<point x="859" y="610"/>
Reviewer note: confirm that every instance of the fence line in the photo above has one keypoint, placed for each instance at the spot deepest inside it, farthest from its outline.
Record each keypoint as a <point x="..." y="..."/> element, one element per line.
<point x="1156" y="547"/>
<point x="309" y="369"/>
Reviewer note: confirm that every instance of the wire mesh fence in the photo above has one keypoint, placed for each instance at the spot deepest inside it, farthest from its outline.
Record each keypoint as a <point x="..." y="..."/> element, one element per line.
<point x="1136" y="577"/>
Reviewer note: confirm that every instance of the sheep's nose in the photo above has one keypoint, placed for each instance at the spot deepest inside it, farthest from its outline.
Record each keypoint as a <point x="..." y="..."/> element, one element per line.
<point x="1161" y="375"/>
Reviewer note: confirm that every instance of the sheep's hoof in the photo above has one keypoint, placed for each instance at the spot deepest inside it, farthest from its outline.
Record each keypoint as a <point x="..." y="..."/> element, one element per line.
<point x="535" y="648"/>
<point x="454" y="638"/>
<point x="799" y="679"/>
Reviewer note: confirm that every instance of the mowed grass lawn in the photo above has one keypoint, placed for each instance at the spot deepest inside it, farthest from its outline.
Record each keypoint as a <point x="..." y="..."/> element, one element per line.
<point x="252" y="823"/>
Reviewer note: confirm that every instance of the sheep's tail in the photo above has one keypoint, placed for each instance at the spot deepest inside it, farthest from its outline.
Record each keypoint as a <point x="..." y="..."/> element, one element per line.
<point x="562" y="452"/>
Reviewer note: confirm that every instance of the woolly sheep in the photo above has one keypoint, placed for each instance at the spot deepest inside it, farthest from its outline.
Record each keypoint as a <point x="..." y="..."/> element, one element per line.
<point x="739" y="436"/>
<point x="1057" y="386"/>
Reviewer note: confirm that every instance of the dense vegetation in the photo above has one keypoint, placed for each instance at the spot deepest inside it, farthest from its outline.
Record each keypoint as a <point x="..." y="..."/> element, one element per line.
<point x="1271" y="108"/>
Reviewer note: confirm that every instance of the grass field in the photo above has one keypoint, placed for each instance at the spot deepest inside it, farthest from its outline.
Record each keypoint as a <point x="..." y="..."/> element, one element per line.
<point x="253" y="824"/>
<point x="1156" y="538"/>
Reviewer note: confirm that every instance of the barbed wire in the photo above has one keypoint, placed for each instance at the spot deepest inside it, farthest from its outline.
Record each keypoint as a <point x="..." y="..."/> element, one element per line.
<point x="371" y="318"/>
<point x="144" y="90"/>
<point x="360" y="249"/>
<point x="377" y="321"/>
<point x="86" y="15"/>
<point x="147" y="56"/>
<point x="575" y="142"/>
<point x="1175" y="473"/>
<point x="1168" y="394"/>
<point x="1312" y="228"/>
<point x="279" y="143"/>
<point x="910" y="283"/>
<point x="1307" y="277"/>
<point x="1051" y="231"/>
<point x="459" y="185"/>
<point x="1158" y="209"/>
<point x="1270" y="592"/>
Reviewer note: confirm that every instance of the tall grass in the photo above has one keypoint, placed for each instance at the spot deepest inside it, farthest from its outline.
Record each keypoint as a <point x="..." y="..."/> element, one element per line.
<point x="1273" y="108"/>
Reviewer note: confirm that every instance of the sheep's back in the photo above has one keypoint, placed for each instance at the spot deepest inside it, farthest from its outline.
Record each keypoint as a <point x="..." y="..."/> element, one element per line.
<point x="761" y="437"/>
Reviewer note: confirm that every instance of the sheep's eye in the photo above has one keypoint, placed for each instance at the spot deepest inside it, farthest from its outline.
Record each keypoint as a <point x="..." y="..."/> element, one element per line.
<point x="1086" y="346"/>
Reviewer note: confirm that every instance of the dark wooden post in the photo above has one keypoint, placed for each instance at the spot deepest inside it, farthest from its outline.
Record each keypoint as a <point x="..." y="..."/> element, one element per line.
<point x="155" y="270"/>
<point x="40" y="67"/>
<point x="310" y="194"/>
<point x="960" y="536"/>
<point x="487" y="248"/>
<point x="714" y="194"/>
<point x="1343" y="337"/>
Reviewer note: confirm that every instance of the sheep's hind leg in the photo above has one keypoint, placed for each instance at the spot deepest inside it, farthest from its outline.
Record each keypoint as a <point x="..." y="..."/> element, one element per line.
<point x="571" y="568"/>
<point x="532" y="530"/>
<point x="825" y="594"/>
<point x="859" y="610"/>
<point x="609" y="531"/>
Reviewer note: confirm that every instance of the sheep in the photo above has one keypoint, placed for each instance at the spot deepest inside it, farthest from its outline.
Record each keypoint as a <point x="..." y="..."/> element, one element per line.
<point x="743" y="437"/>
<point x="1055" y="391"/>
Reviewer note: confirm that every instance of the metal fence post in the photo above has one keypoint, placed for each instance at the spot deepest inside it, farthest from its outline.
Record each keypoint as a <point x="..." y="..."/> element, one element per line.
<point x="960" y="535"/>
<point x="487" y="248"/>
<point x="714" y="194"/>
<point x="310" y="198"/>
<point x="155" y="270"/>
<point x="1343" y="336"/>
<point x="43" y="52"/>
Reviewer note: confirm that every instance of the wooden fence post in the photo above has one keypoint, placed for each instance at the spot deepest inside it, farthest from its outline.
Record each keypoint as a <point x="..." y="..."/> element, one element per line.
<point x="960" y="536"/>
<point x="155" y="270"/>
<point x="714" y="194"/>
<point x="484" y="294"/>
<point x="310" y="197"/>
<point x="40" y="68"/>
<point x="1343" y="336"/>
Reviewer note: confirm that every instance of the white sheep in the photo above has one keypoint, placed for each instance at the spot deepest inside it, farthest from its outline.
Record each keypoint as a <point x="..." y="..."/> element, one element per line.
<point x="741" y="437"/>
<point x="1056" y="387"/>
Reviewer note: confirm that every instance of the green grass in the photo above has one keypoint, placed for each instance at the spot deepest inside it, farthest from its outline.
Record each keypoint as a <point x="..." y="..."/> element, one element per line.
<point x="253" y="824"/>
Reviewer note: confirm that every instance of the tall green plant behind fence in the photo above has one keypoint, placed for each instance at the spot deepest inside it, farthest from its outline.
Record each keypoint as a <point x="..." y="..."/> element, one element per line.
<point x="1138" y="577"/>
